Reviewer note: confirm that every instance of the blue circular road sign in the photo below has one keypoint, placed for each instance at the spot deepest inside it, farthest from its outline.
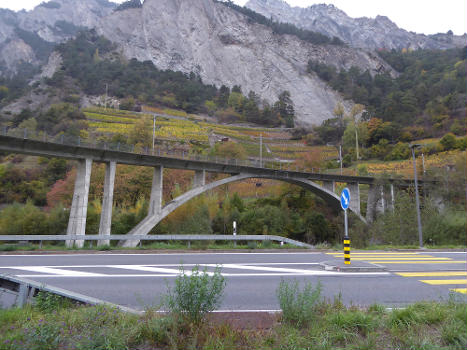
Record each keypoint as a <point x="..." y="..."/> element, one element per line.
<point x="345" y="198"/>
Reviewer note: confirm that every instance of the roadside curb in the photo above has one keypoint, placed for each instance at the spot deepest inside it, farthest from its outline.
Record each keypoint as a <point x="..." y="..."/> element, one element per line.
<point x="360" y="266"/>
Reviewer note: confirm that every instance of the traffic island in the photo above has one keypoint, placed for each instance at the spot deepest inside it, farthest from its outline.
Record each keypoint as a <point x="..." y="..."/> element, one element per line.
<point x="355" y="266"/>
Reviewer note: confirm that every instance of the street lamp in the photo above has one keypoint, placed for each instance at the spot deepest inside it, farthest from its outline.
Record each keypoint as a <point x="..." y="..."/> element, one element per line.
<point x="417" y="200"/>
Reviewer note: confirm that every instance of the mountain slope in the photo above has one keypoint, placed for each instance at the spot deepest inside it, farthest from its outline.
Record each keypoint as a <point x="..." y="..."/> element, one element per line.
<point x="224" y="47"/>
<point x="368" y="33"/>
<point x="29" y="36"/>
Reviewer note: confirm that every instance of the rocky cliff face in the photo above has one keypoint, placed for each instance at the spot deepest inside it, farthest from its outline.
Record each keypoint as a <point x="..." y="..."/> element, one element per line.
<point x="223" y="47"/>
<point x="25" y="36"/>
<point x="368" y="33"/>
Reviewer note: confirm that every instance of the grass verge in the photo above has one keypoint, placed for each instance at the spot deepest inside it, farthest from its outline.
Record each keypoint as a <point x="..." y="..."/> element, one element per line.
<point x="425" y="325"/>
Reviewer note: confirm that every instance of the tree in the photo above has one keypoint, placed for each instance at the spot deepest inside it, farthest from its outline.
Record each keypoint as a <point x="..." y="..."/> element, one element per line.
<point x="284" y="106"/>
<point x="357" y="110"/>
<point x="142" y="132"/>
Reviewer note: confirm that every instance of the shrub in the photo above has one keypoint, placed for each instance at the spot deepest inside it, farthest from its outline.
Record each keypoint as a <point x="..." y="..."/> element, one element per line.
<point x="448" y="141"/>
<point x="195" y="294"/>
<point x="298" y="306"/>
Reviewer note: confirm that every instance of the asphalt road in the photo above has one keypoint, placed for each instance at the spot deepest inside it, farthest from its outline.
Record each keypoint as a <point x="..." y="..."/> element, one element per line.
<point x="139" y="280"/>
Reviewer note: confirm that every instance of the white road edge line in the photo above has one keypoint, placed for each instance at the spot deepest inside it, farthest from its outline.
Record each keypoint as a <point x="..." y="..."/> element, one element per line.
<point x="325" y="274"/>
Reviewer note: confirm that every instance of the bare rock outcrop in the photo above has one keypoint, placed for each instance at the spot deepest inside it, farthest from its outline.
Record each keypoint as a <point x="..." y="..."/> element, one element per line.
<point x="224" y="47"/>
<point x="364" y="32"/>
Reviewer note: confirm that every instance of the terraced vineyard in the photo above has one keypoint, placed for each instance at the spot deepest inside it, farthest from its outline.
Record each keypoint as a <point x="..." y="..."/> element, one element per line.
<point x="176" y="126"/>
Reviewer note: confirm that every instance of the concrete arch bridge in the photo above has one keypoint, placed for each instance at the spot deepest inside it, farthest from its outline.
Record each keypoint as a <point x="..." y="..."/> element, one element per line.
<point x="321" y="184"/>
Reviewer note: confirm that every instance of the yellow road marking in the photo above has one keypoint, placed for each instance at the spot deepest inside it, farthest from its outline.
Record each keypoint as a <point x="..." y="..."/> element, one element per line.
<point x="382" y="253"/>
<point x="418" y="262"/>
<point x="433" y="274"/>
<point x="442" y="282"/>
<point x="397" y="258"/>
<point x="460" y="290"/>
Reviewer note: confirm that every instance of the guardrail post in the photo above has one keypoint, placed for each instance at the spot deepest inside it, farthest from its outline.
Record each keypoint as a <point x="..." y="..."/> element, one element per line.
<point x="79" y="205"/>
<point x="107" y="202"/>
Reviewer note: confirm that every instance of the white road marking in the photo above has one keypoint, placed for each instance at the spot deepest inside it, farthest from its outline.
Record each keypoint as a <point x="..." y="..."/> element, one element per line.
<point x="320" y="273"/>
<point x="272" y="269"/>
<point x="54" y="272"/>
<point x="59" y="272"/>
<point x="162" y="254"/>
<point x="162" y="265"/>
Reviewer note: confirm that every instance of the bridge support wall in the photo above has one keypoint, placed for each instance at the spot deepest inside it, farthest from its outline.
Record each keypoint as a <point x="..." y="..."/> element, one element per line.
<point x="107" y="202"/>
<point x="79" y="205"/>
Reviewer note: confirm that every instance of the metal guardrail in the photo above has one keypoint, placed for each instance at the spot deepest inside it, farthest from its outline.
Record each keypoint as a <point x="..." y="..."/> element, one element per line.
<point x="154" y="238"/>
<point x="25" y="290"/>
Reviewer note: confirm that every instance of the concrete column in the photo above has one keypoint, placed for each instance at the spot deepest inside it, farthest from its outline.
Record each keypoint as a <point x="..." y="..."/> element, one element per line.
<point x="393" y="199"/>
<point x="155" y="202"/>
<point x="107" y="202"/>
<point x="199" y="179"/>
<point x="330" y="186"/>
<point x="381" y="203"/>
<point x="354" y="196"/>
<point x="79" y="205"/>
<point x="371" y="203"/>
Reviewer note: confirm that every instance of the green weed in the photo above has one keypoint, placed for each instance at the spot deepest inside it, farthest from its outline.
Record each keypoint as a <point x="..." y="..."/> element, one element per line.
<point x="195" y="294"/>
<point x="298" y="306"/>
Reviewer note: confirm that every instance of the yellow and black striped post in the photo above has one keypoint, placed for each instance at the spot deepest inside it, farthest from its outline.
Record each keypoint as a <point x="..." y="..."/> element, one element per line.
<point x="346" y="250"/>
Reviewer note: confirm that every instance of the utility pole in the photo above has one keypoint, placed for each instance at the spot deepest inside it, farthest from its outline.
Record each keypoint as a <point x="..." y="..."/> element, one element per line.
<point x="106" y="94"/>
<point x="356" y="139"/>
<point x="261" y="150"/>
<point x="340" y="156"/>
<point x="153" y="133"/>
<point x="423" y="163"/>
<point x="417" y="200"/>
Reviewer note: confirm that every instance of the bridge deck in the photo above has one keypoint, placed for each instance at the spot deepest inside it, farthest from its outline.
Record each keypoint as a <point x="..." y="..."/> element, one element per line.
<point x="232" y="166"/>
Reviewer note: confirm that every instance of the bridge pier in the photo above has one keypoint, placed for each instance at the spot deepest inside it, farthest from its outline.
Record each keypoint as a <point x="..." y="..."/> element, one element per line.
<point x="154" y="212"/>
<point x="381" y="202"/>
<point x="79" y="205"/>
<point x="371" y="203"/>
<point x="155" y="202"/>
<point x="199" y="179"/>
<point x="393" y="199"/>
<point x="107" y="202"/>
<point x="354" y="189"/>
<point x="330" y="186"/>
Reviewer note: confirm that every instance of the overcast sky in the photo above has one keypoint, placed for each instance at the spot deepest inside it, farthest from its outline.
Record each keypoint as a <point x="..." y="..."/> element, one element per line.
<point x="421" y="16"/>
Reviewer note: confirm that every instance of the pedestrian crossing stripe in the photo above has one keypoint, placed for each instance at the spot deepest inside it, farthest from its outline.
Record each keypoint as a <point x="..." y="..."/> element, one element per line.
<point x="459" y="290"/>
<point x="444" y="282"/>
<point x="433" y="274"/>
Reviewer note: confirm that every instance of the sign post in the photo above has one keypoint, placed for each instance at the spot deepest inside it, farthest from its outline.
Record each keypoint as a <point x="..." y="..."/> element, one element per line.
<point x="345" y="202"/>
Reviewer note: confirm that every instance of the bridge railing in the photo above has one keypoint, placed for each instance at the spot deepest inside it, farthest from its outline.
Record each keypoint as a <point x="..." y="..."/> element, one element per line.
<point x="62" y="139"/>
<point x="189" y="238"/>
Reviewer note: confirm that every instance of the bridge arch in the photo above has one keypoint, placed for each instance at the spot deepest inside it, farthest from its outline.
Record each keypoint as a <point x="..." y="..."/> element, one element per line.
<point x="154" y="217"/>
